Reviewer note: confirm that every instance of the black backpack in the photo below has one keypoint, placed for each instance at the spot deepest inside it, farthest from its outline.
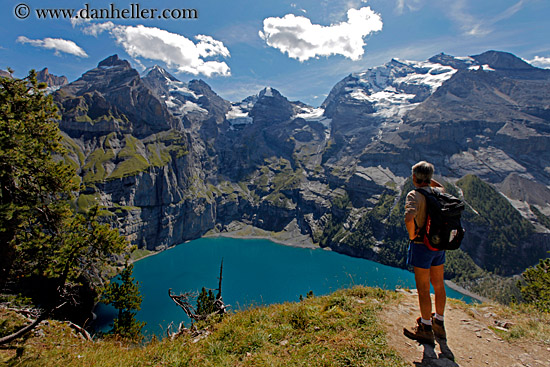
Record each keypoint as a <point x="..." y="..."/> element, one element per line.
<point x="443" y="230"/>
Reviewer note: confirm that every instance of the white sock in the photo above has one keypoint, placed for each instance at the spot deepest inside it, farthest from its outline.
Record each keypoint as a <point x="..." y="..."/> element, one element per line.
<point x="439" y="317"/>
<point x="426" y="322"/>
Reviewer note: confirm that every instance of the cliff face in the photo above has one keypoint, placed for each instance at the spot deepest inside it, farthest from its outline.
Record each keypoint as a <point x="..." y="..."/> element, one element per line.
<point x="170" y="160"/>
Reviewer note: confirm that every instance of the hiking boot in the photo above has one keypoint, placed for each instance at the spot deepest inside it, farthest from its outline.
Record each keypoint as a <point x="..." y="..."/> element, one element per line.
<point x="422" y="333"/>
<point x="438" y="328"/>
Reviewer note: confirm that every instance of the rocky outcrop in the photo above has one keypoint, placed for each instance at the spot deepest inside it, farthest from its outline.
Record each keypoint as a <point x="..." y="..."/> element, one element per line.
<point x="112" y="97"/>
<point x="53" y="81"/>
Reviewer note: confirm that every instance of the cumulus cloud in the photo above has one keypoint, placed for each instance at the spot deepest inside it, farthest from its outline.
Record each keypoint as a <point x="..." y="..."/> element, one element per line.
<point x="540" y="62"/>
<point x="177" y="51"/>
<point x="57" y="44"/>
<point x="302" y="40"/>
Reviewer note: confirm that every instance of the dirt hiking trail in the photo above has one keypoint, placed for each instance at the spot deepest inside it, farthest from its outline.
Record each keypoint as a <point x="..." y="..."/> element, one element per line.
<point x="470" y="340"/>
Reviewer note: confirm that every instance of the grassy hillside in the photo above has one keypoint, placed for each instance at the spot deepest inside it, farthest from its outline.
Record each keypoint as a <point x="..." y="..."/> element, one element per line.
<point x="118" y="156"/>
<point x="341" y="329"/>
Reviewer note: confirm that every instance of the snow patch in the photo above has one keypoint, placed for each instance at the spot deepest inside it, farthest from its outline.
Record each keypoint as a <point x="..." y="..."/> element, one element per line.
<point x="170" y="102"/>
<point x="481" y="67"/>
<point x="236" y="116"/>
<point x="397" y="87"/>
<point x="314" y="114"/>
<point x="268" y="92"/>
<point x="434" y="77"/>
<point x="192" y="107"/>
<point x="176" y="87"/>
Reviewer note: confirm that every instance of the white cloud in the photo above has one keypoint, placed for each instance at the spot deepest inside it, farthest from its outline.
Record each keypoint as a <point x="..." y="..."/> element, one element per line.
<point x="302" y="40"/>
<point x="509" y="12"/>
<point x="57" y="44"/>
<point x="94" y="29"/>
<point x="475" y="24"/>
<point x="89" y="27"/>
<point x="540" y="62"/>
<point x="410" y="5"/>
<point x="457" y="11"/>
<point x="175" y="50"/>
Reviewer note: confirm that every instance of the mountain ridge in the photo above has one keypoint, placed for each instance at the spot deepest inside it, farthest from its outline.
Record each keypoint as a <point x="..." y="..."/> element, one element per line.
<point x="172" y="160"/>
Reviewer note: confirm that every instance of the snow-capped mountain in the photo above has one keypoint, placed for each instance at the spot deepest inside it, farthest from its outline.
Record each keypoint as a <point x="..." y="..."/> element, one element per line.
<point x="239" y="114"/>
<point x="391" y="90"/>
<point x="178" y="97"/>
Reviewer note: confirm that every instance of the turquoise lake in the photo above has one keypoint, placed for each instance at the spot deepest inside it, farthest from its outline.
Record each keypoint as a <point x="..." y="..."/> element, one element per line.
<point x="255" y="272"/>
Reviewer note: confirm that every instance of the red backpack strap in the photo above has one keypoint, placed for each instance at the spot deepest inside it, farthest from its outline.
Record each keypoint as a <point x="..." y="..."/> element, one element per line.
<point x="426" y="231"/>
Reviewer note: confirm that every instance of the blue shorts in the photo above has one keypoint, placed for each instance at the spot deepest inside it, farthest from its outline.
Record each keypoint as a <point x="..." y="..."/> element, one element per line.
<point x="422" y="257"/>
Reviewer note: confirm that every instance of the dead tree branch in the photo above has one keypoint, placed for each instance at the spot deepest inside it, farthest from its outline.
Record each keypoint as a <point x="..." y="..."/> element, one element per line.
<point x="19" y="333"/>
<point x="80" y="331"/>
<point x="188" y="299"/>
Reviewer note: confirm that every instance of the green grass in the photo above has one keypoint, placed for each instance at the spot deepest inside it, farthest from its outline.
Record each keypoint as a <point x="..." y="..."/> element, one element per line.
<point x="527" y="323"/>
<point x="340" y="329"/>
<point x="135" y="156"/>
<point x="158" y="155"/>
<point x="129" y="167"/>
<point x="71" y="146"/>
<point x="94" y="168"/>
<point x="139" y="254"/>
<point x="86" y="201"/>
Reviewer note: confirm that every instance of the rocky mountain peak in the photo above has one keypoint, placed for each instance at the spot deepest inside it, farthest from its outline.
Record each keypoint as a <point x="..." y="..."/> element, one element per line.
<point x="113" y="97"/>
<point x="387" y="92"/>
<point x="114" y="61"/>
<point x="44" y="76"/>
<point x="208" y="99"/>
<point x="159" y="73"/>
<point x="270" y="93"/>
<point x="502" y="60"/>
<point x="110" y="74"/>
<point x="200" y="86"/>
<point x="271" y="106"/>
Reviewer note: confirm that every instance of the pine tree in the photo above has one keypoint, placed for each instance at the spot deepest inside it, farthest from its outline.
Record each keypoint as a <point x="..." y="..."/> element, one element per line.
<point x="41" y="238"/>
<point x="205" y="302"/>
<point x="125" y="297"/>
<point x="536" y="290"/>
<point x="34" y="187"/>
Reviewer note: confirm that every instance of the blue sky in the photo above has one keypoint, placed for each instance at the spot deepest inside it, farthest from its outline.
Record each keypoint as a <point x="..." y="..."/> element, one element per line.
<point x="300" y="47"/>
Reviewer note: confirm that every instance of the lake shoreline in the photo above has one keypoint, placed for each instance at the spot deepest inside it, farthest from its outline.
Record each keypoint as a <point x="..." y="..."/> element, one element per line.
<point x="289" y="237"/>
<point x="466" y="292"/>
<point x="238" y="230"/>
